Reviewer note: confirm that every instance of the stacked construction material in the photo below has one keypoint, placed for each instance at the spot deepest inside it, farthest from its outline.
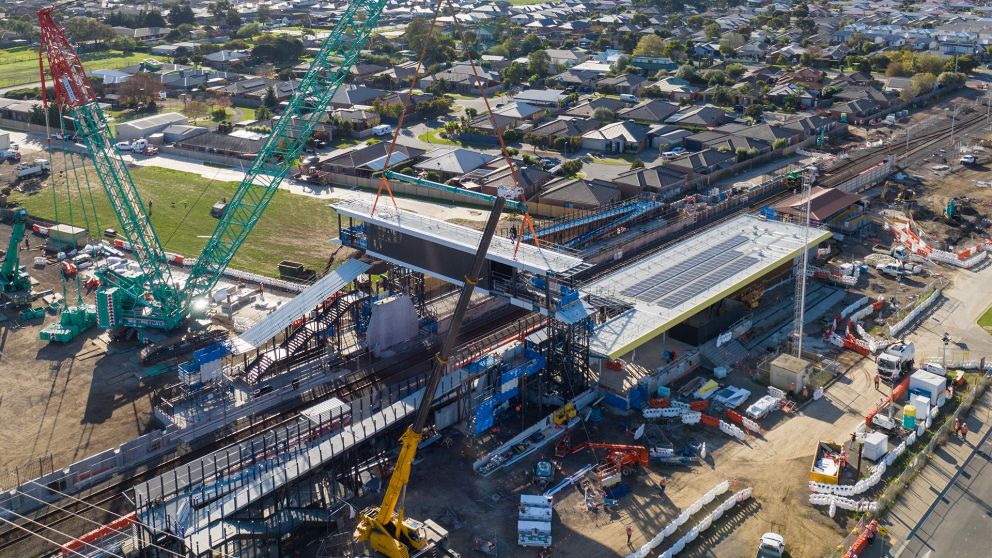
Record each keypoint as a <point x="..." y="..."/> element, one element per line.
<point x="534" y="521"/>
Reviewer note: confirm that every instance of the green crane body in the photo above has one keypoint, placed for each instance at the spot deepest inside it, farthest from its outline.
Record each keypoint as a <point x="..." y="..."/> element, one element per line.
<point x="151" y="297"/>
<point x="13" y="278"/>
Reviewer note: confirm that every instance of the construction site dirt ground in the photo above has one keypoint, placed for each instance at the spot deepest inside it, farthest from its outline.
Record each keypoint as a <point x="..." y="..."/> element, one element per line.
<point x="70" y="400"/>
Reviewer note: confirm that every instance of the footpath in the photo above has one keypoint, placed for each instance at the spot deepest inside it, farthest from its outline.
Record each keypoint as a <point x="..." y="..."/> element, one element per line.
<point x="926" y="507"/>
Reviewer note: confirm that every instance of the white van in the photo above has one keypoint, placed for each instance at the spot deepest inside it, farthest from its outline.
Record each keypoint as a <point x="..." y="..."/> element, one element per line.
<point x="382" y="130"/>
<point x="627" y="98"/>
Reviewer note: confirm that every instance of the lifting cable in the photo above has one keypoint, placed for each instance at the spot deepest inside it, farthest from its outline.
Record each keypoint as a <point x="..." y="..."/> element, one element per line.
<point x="384" y="182"/>
<point x="528" y="221"/>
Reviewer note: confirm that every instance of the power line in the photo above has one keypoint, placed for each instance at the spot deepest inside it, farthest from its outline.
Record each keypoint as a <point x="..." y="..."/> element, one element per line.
<point x="50" y="528"/>
<point x="40" y="536"/>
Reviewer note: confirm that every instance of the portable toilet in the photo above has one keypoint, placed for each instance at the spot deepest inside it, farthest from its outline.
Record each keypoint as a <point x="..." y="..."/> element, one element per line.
<point x="922" y="405"/>
<point x="909" y="417"/>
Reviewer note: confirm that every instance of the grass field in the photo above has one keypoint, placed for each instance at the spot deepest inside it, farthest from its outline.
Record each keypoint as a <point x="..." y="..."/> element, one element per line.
<point x="293" y="227"/>
<point x="985" y="320"/>
<point x="434" y="136"/>
<point x="19" y="66"/>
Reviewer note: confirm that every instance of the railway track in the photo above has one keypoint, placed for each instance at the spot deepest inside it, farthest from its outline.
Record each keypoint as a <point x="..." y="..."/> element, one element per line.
<point x="901" y="149"/>
<point x="111" y="494"/>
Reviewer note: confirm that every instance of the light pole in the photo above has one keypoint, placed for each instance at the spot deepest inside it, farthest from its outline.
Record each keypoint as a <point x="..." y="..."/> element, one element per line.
<point x="947" y="340"/>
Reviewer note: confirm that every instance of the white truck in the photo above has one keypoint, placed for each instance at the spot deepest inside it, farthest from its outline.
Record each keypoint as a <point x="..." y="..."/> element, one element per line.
<point x="771" y="545"/>
<point x="34" y="168"/>
<point x="137" y="146"/>
<point x="896" y="269"/>
<point x="895" y="361"/>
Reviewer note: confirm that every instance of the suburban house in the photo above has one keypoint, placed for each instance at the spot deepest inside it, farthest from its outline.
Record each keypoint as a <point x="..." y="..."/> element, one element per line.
<point x="616" y="137"/>
<point x="562" y="60"/>
<point x="235" y="146"/>
<point x="506" y="117"/>
<point x="675" y="88"/>
<point x="706" y="116"/>
<point x="460" y="78"/>
<point x="653" y="111"/>
<point x="452" y="162"/>
<point x="587" y="108"/>
<point x="626" y="84"/>
<point x="222" y="59"/>
<point x="367" y="159"/>
<point x="251" y="92"/>
<point x="665" y="181"/>
<point x="143" y="34"/>
<point x="550" y="98"/>
<point x="349" y="95"/>
<point x="579" y="80"/>
<point x="579" y="193"/>
<point x="564" y="127"/>
<point x="490" y="177"/>
<point x="703" y="162"/>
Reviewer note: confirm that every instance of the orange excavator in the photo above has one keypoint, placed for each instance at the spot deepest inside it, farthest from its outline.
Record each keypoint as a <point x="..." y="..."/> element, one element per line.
<point x="620" y="458"/>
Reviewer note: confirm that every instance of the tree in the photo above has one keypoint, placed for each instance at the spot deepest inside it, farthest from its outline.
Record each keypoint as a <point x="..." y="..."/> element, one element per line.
<point x="515" y="73"/>
<point x="721" y="96"/>
<point x="86" y="29"/>
<point x="950" y="79"/>
<point x="262" y="13"/>
<point x="153" y="18"/>
<point x="753" y="112"/>
<point x="570" y="167"/>
<point x="715" y="77"/>
<point x="731" y="42"/>
<point x="181" y="14"/>
<point x="219" y="114"/>
<point x="800" y="10"/>
<point x="712" y="30"/>
<point x="637" y="164"/>
<point x="780" y="143"/>
<point x="440" y="46"/>
<point x="650" y="45"/>
<point x="270" y="100"/>
<point x="277" y="49"/>
<point x="688" y="73"/>
<point x="248" y="30"/>
<point x="896" y="69"/>
<point x="538" y="62"/>
<point x="124" y="44"/>
<point x="604" y="114"/>
<point x="141" y="88"/>
<point x="734" y="71"/>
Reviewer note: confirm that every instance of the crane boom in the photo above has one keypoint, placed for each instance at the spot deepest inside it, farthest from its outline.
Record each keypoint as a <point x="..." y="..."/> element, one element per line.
<point x="74" y="95"/>
<point x="384" y="527"/>
<point x="305" y="109"/>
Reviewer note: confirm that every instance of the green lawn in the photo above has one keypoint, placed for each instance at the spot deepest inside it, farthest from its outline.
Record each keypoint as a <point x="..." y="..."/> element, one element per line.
<point x="624" y="160"/>
<point x="20" y="66"/>
<point x="985" y="320"/>
<point x="293" y="227"/>
<point x="434" y="136"/>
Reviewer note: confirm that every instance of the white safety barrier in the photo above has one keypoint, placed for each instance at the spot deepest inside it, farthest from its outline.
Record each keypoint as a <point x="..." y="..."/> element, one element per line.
<point x="835" y="501"/>
<point x="692" y="417"/>
<point x="705" y="523"/>
<point x="873" y="478"/>
<point x="897" y="328"/>
<point x="751" y="426"/>
<point x="667" y="412"/>
<point x="681" y="520"/>
<point x="731" y="430"/>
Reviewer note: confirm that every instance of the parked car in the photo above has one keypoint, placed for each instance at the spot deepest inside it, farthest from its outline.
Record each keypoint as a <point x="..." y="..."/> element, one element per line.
<point x="968" y="159"/>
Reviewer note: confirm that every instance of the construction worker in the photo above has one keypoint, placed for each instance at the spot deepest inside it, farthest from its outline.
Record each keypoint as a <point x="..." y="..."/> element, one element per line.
<point x="877" y="382"/>
<point x="630" y="533"/>
<point x="964" y="430"/>
<point x="663" y="484"/>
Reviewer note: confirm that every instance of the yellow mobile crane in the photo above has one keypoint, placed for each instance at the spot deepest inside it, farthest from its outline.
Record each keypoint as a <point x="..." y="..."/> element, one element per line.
<point x="385" y="527"/>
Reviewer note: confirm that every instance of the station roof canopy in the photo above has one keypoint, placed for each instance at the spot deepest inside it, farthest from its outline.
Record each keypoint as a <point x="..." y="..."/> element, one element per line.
<point x="543" y="259"/>
<point x="676" y="283"/>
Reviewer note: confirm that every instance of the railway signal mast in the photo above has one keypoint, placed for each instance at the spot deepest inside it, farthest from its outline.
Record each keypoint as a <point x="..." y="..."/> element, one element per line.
<point x="809" y="176"/>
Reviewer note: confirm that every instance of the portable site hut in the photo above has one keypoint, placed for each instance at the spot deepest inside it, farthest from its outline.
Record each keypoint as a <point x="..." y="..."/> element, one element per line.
<point x="789" y="373"/>
<point x="66" y="237"/>
<point x="927" y="384"/>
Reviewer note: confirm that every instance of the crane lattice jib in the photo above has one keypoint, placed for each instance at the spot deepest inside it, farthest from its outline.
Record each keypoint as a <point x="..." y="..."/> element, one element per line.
<point x="305" y="109"/>
<point x="75" y="96"/>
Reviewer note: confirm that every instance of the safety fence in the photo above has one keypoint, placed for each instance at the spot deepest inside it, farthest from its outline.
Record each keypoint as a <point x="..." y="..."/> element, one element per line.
<point x="898" y="484"/>
<point x="908" y="315"/>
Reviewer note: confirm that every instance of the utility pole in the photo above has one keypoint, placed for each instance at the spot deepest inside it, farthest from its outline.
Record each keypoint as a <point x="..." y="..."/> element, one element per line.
<point x="809" y="175"/>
